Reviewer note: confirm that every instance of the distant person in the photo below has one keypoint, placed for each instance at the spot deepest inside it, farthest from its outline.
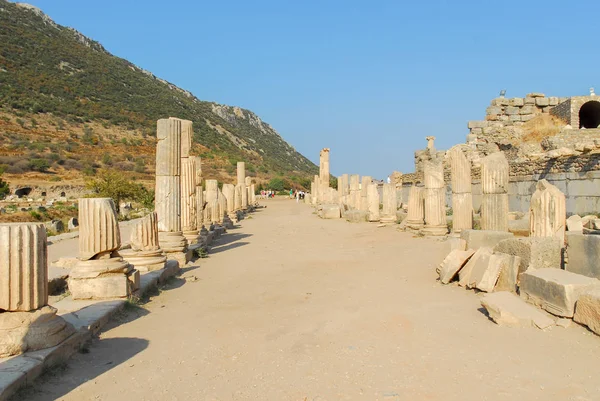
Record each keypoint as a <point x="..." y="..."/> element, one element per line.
<point x="297" y="196"/>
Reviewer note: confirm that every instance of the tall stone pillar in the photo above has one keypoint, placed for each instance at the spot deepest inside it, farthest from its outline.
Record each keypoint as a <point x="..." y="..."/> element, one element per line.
<point x="317" y="197"/>
<point x="390" y="204"/>
<point x="494" y="185"/>
<point x="27" y="323"/>
<point x="101" y="272"/>
<point x="241" y="180"/>
<point x="462" y="198"/>
<point x="416" y="208"/>
<point x="547" y="212"/>
<point x="354" y="195"/>
<point x="364" y="187"/>
<point x="222" y="207"/>
<point x="435" y="199"/>
<point x="167" y="200"/>
<point x="237" y="200"/>
<point x="324" y="169"/>
<point x="253" y="194"/>
<point x="188" y="184"/>
<point x="396" y="179"/>
<point x="212" y="190"/>
<point x="229" y="194"/>
<point x="145" y="253"/>
<point x="248" y="183"/>
<point x="199" y="196"/>
<point x="373" y="202"/>
<point x="343" y="189"/>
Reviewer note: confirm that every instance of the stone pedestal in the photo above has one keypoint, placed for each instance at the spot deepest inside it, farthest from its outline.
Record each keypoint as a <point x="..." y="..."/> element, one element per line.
<point x="435" y="199"/>
<point x="373" y="203"/>
<point x="494" y="185"/>
<point x="462" y="198"/>
<point x="388" y="214"/>
<point x="416" y="208"/>
<point x="145" y="253"/>
<point x="547" y="211"/>
<point x="100" y="272"/>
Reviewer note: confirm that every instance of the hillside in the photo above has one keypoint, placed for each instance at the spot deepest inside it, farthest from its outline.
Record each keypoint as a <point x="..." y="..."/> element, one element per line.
<point x="68" y="107"/>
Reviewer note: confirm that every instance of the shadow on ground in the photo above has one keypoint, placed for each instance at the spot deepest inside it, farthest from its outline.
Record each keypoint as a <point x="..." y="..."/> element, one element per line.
<point x="229" y="242"/>
<point x="100" y="357"/>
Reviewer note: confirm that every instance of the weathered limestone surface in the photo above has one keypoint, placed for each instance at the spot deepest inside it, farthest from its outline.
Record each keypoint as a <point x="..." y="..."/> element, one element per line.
<point x="484" y="277"/>
<point x="253" y="194"/>
<point x="145" y="253"/>
<point x="187" y="135"/>
<point x="548" y="212"/>
<point x="509" y="271"/>
<point x="373" y="201"/>
<point x="364" y="190"/>
<point x="494" y="184"/>
<point x="507" y="309"/>
<point x="575" y="223"/>
<point x="390" y="204"/>
<point x="229" y="194"/>
<point x="241" y="180"/>
<point x="199" y="195"/>
<point x="555" y="290"/>
<point x="100" y="272"/>
<point x="462" y="198"/>
<point x="416" y="208"/>
<point x="237" y="199"/>
<point x="451" y="265"/>
<point x="188" y="199"/>
<point x="354" y="194"/>
<point x="587" y="310"/>
<point x="324" y="167"/>
<point x="329" y="212"/>
<point x="435" y="202"/>
<point x="168" y="148"/>
<point x="584" y="254"/>
<point x="479" y="260"/>
<point x="343" y="185"/>
<point x="212" y="190"/>
<point x="535" y="253"/>
<point x="23" y="267"/>
<point x="476" y="239"/>
<point x="356" y="216"/>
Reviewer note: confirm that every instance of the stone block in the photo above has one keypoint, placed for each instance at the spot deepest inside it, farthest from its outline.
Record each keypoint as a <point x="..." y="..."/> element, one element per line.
<point x="515" y="118"/>
<point x="575" y="223"/>
<point x="535" y="253"/>
<point x="507" y="309"/>
<point x="451" y="265"/>
<point x="480" y="259"/>
<point x="527" y="117"/>
<point x="587" y="310"/>
<point x="555" y="290"/>
<point x="511" y="110"/>
<point x="108" y="286"/>
<point x="485" y="275"/>
<point x="477" y="124"/>
<point x="529" y="100"/>
<point x="516" y="101"/>
<point x="535" y="94"/>
<point x="542" y="101"/>
<point x="329" y="212"/>
<point x="500" y="101"/>
<point x="525" y="110"/>
<point x="552" y="101"/>
<point x="356" y="216"/>
<point x="479" y="238"/>
<point x="584" y="254"/>
<point x="509" y="271"/>
<point x="493" y="110"/>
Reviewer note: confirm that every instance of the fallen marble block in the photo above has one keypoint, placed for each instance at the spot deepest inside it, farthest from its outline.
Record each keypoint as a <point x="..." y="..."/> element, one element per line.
<point x="480" y="259"/>
<point x="483" y="238"/>
<point x="507" y="309"/>
<point x="452" y="264"/>
<point x="587" y="310"/>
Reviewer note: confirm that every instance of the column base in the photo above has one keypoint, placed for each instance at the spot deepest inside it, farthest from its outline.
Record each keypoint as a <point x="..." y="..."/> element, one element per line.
<point x="145" y="261"/>
<point x="172" y="241"/>
<point x="434" y="230"/>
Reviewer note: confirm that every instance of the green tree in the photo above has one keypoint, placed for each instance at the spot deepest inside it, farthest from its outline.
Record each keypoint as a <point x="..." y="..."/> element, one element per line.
<point x="113" y="184"/>
<point x="40" y="165"/>
<point x="277" y="184"/>
<point x="4" y="189"/>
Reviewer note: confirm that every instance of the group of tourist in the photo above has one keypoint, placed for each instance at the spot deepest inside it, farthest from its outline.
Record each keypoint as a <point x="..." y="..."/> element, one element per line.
<point x="267" y="194"/>
<point x="298" y="194"/>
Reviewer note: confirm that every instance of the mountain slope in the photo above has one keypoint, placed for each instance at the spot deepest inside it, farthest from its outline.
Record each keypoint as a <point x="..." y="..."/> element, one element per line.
<point x="56" y="75"/>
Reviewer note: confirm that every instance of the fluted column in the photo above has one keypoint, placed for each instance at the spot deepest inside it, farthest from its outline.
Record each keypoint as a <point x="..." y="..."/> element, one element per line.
<point x="373" y="202"/>
<point x="390" y="204"/>
<point x="547" y="212"/>
<point x="101" y="272"/>
<point x="188" y="199"/>
<point x="145" y="253"/>
<point x="241" y="180"/>
<point x="416" y="207"/>
<point x="199" y="195"/>
<point x="494" y="185"/>
<point x="462" y="198"/>
<point x="435" y="204"/>
<point x="168" y="184"/>
<point x="27" y="323"/>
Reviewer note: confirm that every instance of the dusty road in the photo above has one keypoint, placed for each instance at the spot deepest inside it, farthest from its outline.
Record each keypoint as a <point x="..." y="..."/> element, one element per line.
<point x="291" y="307"/>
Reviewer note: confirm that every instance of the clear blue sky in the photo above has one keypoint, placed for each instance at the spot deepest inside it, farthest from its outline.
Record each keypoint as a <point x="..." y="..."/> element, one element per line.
<point x="368" y="79"/>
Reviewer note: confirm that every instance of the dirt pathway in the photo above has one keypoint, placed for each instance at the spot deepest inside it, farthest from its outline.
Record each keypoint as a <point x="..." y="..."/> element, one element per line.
<point x="291" y="307"/>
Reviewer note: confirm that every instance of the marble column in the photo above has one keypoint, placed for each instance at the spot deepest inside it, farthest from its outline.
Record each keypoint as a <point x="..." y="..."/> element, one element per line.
<point x="416" y="207"/>
<point x="364" y="187"/>
<point x="27" y="323"/>
<point x="222" y="207"/>
<point x="145" y="253"/>
<point x="373" y="202"/>
<point x="462" y="198"/>
<point x="396" y="180"/>
<point x="435" y="199"/>
<point x="101" y="272"/>
<point x="390" y="204"/>
<point x="237" y="198"/>
<point x="318" y="190"/>
<point x="241" y="180"/>
<point x="253" y="194"/>
<point x="547" y="212"/>
<point x="188" y="184"/>
<point x="229" y="194"/>
<point x="167" y="200"/>
<point x="494" y="185"/>
<point x="199" y="196"/>
<point x="324" y="170"/>
<point x="212" y="190"/>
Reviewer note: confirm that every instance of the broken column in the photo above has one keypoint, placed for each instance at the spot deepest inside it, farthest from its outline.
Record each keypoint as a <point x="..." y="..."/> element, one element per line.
<point x="547" y="212"/>
<point x="101" y="272"/>
<point x="494" y="186"/>
<point x="167" y="200"/>
<point x="241" y="181"/>
<point x="199" y="195"/>
<point x="317" y="194"/>
<point x="364" y="188"/>
<point x="27" y="323"/>
<point x="188" y="185"/>
<point x="237" y="198"/>
<point x="354" y="194"/>
<point x="373" y="202"/>
<point x="212" y="190"/>
<point x="462" y="198"/>
<point x="343" y="189"/>
<point x="323" y="172"/>
<point x="435" y="199"/>
<point x="145" y="253"/>
<point x="389" y="204"/>
<point x="229" y="194"/>
<point x="416" y="208"/>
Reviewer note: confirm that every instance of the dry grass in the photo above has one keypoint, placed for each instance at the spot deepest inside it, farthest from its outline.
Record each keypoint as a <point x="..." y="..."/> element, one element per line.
<point x="540" y="127"/>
